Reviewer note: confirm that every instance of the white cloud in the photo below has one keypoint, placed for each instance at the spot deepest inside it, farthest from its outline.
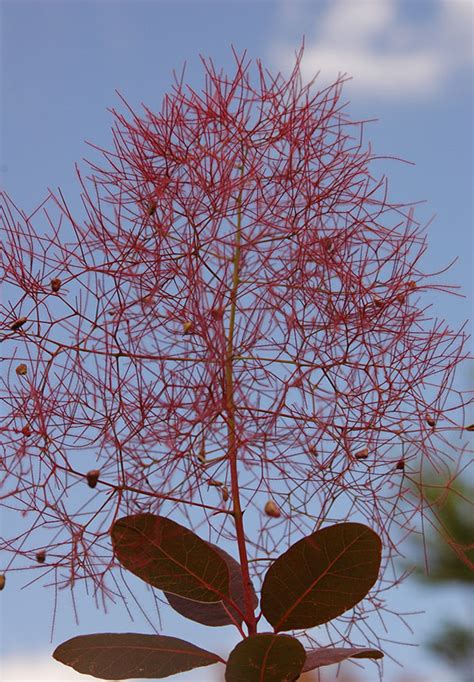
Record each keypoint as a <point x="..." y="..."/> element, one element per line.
<point x="351" y="21"/>
<point x="387" y="50"/>
<point x="37" y="669"/>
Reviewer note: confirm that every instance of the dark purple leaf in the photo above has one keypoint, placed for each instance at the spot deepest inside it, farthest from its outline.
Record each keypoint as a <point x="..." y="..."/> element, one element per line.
<point x="219" y="613"/>
<point x="113" y="656"/>
<point x="329" y="655"/>
<point x="266" y="657"/>
<point x="321" y="576"/>
<point x="170" y="557"/>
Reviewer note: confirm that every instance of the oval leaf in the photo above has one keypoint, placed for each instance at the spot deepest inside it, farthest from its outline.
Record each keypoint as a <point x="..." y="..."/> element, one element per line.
<point x="321" y="576"/>
<point x="170" y="557"/>
<point x="111" y="656"/>
<point x="328" y="655"/>
<point x="218" y="613"/>
<point x="269" y="657"/>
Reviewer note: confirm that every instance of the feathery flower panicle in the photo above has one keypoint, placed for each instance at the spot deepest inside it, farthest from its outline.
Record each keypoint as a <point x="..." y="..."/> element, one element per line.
<point x="238" y="318"/>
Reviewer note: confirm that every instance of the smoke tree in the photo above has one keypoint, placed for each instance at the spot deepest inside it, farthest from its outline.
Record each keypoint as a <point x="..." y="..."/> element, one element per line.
<point x="224" y="377"/>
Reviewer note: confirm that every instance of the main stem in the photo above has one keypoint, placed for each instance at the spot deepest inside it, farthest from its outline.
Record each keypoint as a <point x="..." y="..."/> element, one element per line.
<point x="231" y="434"/>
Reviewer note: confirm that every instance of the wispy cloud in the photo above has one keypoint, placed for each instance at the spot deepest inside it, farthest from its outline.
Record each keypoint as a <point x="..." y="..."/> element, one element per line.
<point x="36" y="668"/>
<point x="391" y="48"/>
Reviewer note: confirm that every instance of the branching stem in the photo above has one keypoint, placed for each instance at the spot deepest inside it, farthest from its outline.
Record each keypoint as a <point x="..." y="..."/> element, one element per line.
<point x="232" y="441"/>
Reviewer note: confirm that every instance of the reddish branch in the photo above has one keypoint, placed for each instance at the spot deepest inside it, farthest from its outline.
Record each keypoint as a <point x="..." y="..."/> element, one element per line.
<point x="239" y="316"/>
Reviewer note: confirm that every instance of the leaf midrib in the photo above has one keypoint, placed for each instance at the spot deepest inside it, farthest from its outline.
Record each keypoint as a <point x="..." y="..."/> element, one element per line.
<point x="223" y="596"/>
<point x="315" y="582"/>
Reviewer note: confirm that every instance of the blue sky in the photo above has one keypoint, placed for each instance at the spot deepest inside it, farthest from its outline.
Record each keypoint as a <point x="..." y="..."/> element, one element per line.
<point x="411" y="64"/>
